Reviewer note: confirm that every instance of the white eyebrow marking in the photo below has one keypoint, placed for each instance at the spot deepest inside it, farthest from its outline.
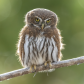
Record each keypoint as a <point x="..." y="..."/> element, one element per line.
<point x="47" y="26"/>
<point x="36" y="25"/>
<point x="47" y="19"/>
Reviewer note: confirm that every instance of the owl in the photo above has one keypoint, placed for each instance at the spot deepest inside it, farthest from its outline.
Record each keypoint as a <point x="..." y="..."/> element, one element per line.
<point x="40" y="39"/>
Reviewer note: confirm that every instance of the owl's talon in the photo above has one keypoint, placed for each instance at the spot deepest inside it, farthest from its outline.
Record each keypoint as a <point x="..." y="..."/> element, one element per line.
<point x="50" y="65"/>
<point x="34" y="67"/>
<point x="45" y="64"/>
<point x="30" y="69"/>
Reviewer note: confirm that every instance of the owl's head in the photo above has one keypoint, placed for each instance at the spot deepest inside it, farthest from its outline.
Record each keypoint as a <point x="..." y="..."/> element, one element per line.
<point x="41" y="18"/>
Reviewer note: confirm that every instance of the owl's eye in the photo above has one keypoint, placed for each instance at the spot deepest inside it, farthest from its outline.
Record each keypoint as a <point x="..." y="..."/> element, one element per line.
<point x="37" y="20"/>
<point x="48" y="21"/>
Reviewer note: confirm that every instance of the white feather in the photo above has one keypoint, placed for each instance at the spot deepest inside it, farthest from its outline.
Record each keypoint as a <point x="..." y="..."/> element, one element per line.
<point x="38" y="42"/>
<point x="26" y="50"/>
<point x="55" y="51"/>
<point x="50" y="50"/>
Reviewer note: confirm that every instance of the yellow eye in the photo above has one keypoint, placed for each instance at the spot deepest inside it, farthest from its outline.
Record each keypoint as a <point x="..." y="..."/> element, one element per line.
<point x="37" y="20"/>
<point x="48" y="21"/>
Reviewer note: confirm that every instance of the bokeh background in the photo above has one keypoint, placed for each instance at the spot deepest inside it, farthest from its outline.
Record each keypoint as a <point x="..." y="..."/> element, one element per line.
<point x="71" y="24"/>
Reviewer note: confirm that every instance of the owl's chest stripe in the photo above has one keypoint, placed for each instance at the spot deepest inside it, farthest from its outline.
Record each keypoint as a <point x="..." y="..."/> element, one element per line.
<point x="46" y="51"/>
<point x="42" y="45"/>
<point x="38" y="50"/>
<point x="33" y="49"/>
<point x="52" y="52"/>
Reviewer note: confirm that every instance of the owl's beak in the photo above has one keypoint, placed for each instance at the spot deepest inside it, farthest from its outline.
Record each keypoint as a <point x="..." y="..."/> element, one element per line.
<point x="42" y="26"/>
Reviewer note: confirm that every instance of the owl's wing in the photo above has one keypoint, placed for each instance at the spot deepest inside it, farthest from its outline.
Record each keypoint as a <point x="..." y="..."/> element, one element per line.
<point x="59" y="43"/>
<point x="20" y="45"/>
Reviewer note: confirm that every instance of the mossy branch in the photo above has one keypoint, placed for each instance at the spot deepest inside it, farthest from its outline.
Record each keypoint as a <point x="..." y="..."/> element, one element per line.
<point x="59" y="64"/>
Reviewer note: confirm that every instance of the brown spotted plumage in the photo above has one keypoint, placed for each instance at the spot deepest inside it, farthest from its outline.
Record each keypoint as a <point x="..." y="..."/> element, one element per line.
<point x="39" y="40"/>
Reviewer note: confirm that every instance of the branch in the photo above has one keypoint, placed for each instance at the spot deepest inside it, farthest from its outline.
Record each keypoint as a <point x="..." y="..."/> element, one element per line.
<point x="59" y="64"/>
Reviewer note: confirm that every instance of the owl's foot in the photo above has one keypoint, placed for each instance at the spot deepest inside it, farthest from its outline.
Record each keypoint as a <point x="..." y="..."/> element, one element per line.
<point x="49" y="63"/>
<point x="32" y="67"/>
<point x="45" y="64"/>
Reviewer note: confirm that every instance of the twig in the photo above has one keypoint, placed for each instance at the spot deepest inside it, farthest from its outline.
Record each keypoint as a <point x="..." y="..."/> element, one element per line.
<point x="59" y="64"/>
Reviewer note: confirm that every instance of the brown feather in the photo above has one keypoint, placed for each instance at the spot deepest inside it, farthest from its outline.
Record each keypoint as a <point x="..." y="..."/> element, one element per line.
<point x="33" y="31"/>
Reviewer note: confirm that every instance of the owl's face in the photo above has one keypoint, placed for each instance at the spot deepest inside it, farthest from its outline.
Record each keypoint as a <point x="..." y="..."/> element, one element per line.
<point x="41" y="18"/>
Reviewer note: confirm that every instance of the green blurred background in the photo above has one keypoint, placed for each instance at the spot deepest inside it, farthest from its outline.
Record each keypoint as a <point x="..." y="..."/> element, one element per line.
<point x="71" y="24"/>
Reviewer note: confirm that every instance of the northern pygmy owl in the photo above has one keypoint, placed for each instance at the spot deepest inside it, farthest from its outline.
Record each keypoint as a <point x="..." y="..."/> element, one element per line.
<point x="39" y="40"/>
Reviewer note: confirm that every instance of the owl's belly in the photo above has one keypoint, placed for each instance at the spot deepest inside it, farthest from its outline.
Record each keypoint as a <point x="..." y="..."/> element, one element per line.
<point x="38" y="50"/>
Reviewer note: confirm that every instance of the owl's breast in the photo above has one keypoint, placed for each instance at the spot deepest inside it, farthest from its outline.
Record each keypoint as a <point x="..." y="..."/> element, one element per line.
<point x="39" y="49"/>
